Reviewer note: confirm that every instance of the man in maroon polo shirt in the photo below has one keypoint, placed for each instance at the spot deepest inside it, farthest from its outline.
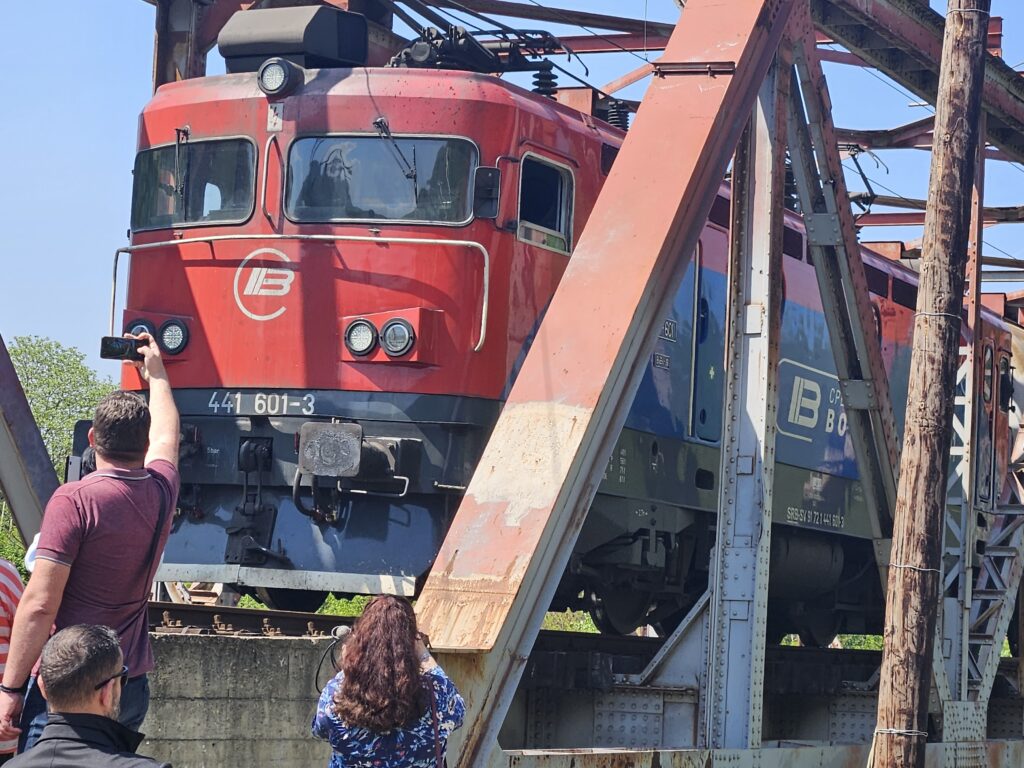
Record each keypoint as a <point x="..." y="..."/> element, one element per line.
<point x="101" y="542"/>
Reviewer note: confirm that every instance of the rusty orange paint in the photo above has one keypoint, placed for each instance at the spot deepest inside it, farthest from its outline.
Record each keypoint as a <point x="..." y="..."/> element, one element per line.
<point x="536" y="478"/>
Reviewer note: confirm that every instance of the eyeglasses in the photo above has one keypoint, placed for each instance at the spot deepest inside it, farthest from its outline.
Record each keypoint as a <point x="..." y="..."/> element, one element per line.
<point x="123" y="674"/>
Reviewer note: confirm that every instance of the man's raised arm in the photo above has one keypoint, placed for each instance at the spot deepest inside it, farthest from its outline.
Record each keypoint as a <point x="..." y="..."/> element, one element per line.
<point x="164" y="429"/>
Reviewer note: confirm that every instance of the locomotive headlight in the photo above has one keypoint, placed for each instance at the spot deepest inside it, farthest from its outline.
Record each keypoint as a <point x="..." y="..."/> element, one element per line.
<point x="397" y="337"/>
<point x="136" y="327"/>
<point x="360" y="337"/>
<point x="277" y="76"/>
<point x="173" y="336"/>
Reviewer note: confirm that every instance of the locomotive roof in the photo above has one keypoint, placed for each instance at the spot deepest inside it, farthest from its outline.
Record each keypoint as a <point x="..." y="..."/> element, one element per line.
<point x="435" y="87"/>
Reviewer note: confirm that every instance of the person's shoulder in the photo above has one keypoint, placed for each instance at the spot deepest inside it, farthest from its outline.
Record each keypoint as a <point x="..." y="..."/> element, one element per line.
<point x="164" y="469"/>
<point x="9" y="572"/>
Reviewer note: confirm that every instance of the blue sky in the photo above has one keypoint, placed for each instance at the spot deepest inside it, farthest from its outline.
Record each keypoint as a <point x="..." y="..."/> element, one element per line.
<point x="79" y="79"/>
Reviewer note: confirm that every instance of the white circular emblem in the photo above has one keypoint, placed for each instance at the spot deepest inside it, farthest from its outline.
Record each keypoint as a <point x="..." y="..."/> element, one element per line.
<point x="263" y="281"/>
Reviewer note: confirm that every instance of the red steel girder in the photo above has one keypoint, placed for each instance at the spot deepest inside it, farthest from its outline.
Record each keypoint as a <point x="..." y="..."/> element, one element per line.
<point x="915" y="216"/>
<point x="903" y="39"/>
<point x="995" y="44"/>
<point x="559" y="16"/>
<point x="629" y="78"/>
<point x="635" y="42"/>
<point x="500" y="563"/>
<point x="915" y="134"/>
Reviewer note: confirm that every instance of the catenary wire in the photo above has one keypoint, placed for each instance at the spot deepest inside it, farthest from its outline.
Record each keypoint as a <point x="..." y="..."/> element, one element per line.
<point x="894" y="193"/>
<point x="570" y="22"/>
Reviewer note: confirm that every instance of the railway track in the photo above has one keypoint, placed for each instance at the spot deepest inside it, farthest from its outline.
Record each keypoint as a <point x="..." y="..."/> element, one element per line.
<point x="574" y="659"/>
<point x="183" y="619"/>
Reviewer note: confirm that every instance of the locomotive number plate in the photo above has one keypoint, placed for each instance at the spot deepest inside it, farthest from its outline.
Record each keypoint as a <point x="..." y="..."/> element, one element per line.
<point x="263" y="403"/>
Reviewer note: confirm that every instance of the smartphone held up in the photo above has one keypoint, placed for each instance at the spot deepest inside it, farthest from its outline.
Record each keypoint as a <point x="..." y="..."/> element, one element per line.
<point x="119" y="348"/>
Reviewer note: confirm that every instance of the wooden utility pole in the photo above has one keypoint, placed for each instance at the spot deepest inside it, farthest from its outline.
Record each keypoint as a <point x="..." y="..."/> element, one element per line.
<point x="915" y="569"/>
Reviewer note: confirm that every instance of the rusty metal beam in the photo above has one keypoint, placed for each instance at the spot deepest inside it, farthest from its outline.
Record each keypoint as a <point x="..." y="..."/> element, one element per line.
<point x="993" y="215"/>
<point x="841" y="57"/>
<point x="500" y="563"/>
<point x="559" y="16"/>
<point x="635" y="42"/>
<point x="27" y="478"/>
<point x="995" y="44"/>
<point x="903" y="39"/>
<point x="915" y="134"/>
<point x="175" y="54"/>
<point x="629" y="78"/>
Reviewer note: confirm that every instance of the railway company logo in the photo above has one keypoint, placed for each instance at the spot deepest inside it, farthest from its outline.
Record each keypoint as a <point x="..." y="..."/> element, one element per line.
<point x="806" y="402"/>
<point x="257" y="285"/>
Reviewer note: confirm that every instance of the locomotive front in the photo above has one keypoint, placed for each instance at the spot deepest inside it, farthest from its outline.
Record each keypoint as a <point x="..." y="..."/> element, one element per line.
<point x="317" y="250"/>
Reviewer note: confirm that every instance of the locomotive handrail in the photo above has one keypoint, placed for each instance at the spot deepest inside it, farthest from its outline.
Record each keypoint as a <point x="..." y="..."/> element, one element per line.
<point x="484" y="254"/>
<point x="266" y="173"/>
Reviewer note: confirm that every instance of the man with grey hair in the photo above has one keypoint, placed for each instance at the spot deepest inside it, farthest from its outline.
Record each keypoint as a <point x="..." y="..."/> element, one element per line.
<point x="82" y="674"/>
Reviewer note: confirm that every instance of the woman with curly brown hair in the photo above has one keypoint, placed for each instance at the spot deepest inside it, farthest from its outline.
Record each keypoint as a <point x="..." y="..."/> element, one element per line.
<point x="391" y="705"/>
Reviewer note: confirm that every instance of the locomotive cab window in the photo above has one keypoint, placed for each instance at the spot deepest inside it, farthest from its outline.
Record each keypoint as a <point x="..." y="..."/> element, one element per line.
<point x="545" y="204"/>
<point x="194" y="183"/>
<point x="380" y="178"/>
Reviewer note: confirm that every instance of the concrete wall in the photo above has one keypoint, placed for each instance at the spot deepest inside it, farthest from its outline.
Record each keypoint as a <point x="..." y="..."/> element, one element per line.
<point x="234" y="702"/>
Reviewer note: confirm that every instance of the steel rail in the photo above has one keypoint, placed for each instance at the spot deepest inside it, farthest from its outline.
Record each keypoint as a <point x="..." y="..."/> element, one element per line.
<point x="183" y="618"/>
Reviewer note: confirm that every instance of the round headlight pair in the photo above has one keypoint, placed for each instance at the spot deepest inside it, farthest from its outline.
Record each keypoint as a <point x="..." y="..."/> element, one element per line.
<point x="172" y="336"/>
<point x="277" y="77"/>
<point x="396" y="337"/>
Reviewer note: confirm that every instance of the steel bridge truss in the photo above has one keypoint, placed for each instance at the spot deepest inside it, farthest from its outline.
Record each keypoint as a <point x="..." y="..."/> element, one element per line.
<point x="27" y="479"/>
<point x="712" y="693"/>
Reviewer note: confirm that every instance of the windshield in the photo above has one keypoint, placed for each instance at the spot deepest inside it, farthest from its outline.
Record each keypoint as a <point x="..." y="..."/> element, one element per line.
<point x="380" y="178"/>
<point x="202" y="182"/>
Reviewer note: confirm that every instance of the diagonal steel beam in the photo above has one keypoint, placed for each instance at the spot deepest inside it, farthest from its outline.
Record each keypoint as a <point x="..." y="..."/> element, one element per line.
<point x="559" y="16"/>
<point x="832" y="239"/>
<point x="510" y="541"/>
<point x="629" y="78"/>
<point x="903" y="39"/>
<point x="26" y="473"/>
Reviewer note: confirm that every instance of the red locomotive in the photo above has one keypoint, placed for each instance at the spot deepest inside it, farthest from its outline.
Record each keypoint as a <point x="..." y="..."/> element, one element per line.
<point x="345" y="267"/>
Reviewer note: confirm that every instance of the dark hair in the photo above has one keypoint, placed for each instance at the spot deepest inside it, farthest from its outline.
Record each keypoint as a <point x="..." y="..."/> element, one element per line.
<point x="74" y="660"/>
<point x="121" y="427"/>
<point x="381" y="688"/>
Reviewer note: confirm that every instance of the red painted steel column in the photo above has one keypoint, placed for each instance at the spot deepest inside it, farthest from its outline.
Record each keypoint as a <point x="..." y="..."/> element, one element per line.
<point x="500" y="563"/>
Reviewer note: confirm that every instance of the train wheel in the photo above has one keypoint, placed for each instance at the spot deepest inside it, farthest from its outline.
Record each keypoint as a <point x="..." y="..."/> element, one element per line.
<point x="619" y="611"/>
<point x="300" y="600"/>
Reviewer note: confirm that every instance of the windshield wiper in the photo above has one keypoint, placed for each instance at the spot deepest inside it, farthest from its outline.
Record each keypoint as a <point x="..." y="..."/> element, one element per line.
<point x="408" y="169"/>
<point x="180" y="176"/>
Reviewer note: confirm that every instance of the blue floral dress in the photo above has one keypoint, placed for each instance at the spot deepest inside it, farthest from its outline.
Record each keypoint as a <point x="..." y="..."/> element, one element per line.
<point x="408" y="747"/>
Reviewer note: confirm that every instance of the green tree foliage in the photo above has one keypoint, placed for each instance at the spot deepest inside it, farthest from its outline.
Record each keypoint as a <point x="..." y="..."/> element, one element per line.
<point x="61" y="389"/>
